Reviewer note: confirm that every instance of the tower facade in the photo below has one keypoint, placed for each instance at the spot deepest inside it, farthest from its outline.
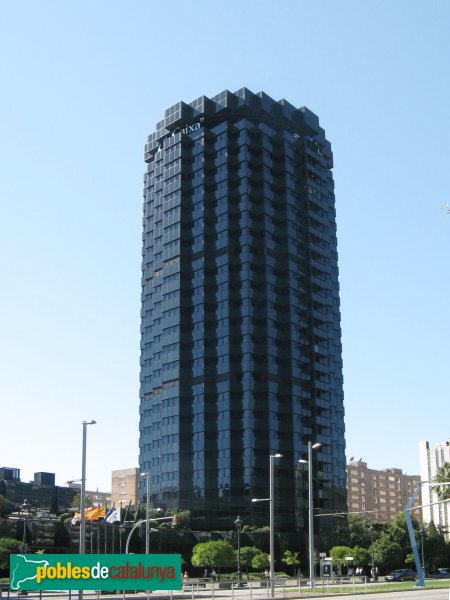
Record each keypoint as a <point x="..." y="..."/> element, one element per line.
<point x="432" y="459"/>
<point x="240" y="330"/>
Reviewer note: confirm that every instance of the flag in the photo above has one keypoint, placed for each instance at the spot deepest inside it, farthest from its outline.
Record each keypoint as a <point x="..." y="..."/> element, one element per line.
<point x="95" y="513"/>
<point x="90" y="514"/>
<point x="101" y="512"/>
<point x="113" y="515"/>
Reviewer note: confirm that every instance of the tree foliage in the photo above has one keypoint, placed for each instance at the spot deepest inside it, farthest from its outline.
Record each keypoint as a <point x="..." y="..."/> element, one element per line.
<point x="397" y="530"/>
<point x="216" y="553"/>
<point x="5" y="505"/>
<point x="361" y="556"/>
<point x="388" y="554"/>
<point x="7" y="546"/>
<point x="358" y="531"/>
<point x="65" y="518"/>
<point x="247" y="555"/>
<point x="182" y="518"/>
<point x="291" y="559"/>
<point x="261" y="561"/>
<point x="443" y="476"/>
<point x="392" y="544"/>
<point x="436" y="549"/>
<point x="340" y="553"/>
<point x="76" y="502"/>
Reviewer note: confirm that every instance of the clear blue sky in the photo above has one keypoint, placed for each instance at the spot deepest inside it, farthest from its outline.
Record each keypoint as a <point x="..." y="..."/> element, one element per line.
<point x="83" y="84"/>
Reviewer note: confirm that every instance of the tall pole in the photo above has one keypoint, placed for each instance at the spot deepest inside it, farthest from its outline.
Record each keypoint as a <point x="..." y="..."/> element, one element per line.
<point x="271" y="525"/>
<point x="238" y="525"/>
<point x="82" y="549"/>
<point x="271" y="500"/>
<point x="310" y="516"/>
<point x="373" y="553"/>
<point x="422" y="533"/>
<point x="311" y="447"/>
<point x="147" y="517"/>
<point x="83" y="493"/>
<point x="24" y="507"/>
<point x="147" y="510"/>
<point x="272" y="521"/>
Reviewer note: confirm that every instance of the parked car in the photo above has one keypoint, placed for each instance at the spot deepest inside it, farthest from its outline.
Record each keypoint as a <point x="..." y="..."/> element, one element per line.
<point x="401" y="575"/>
<point x="438" y="573"/>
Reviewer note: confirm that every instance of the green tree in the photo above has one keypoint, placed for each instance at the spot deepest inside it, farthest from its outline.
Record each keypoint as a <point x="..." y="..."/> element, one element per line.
<point x="181" y="518"/>
<point x="339" y="554"/>
<point x="397" y="530"/>
<point x="77" y="501"/>
<point x="261" y="561"/>
<point x="7" y="546"/>
<point x="436" y="549"/>
<point x="361" y="556"/>
<point x="358" y="531"/>
<point x="443" y="476"/>
<point x="5" y="505"/>
<point x="247" y="555"/>
<point x="291" y="559"/>
<point x="388" y="554"/>
<point x="216" y="553"/>
<point x="65" y="518"/>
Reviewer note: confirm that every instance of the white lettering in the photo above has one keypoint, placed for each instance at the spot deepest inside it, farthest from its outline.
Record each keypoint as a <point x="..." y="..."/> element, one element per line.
<point x="185" y="129"/>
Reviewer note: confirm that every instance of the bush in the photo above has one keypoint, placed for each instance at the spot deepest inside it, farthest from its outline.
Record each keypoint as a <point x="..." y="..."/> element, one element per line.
<point x="7" y="546"/>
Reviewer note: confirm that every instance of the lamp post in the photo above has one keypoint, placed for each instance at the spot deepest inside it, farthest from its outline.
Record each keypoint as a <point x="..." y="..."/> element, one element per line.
<point x="311" y="447"/>
<point x="371" y="531"/>
<point x="147" y="512"/>
<point x="82" y="549"/>
<point x="238" y="525"/>
<point x="272" y="457"/>
<point x="25" y="509"/>
<point x="422" y="535"/>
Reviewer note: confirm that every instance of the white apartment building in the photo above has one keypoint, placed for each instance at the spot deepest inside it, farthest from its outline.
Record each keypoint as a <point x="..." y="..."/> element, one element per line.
<point x="431" y="459"/>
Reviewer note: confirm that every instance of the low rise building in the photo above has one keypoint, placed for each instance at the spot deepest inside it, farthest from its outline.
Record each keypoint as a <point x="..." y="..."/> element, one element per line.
<point x="40" y="493"/>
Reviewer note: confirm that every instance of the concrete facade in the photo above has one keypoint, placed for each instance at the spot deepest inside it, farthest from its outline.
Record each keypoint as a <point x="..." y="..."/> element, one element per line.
<point x="431" y="459"/>
<point x="124" y="486"/>
<point x="379" y="494"/>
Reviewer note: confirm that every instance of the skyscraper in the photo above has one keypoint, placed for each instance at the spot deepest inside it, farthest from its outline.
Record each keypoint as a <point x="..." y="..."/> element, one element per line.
<point x="240" y="334"/>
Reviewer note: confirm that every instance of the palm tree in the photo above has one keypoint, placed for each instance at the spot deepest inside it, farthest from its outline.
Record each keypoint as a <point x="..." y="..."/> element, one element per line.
<point x="443" y="476"/>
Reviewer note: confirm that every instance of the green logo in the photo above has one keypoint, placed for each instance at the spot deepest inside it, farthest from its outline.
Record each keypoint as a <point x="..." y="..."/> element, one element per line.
<point x="96" y="572"/>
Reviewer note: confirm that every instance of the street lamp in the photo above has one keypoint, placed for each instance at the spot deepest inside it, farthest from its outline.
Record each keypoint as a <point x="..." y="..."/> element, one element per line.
<point x="422" y="535"/>
<point x="311" y="447"/>
<point x="83" y="489"/>
<point x="238" y="525"/>
<point x="371" y="531"/>
<point x="25" y="509"/>
<point x="272" y="457"/>
<point x="147" y="512"/>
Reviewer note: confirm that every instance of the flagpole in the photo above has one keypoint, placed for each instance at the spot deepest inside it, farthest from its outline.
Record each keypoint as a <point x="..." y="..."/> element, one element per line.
<point x="126" y="512"/>
<point x="120" y="530"/>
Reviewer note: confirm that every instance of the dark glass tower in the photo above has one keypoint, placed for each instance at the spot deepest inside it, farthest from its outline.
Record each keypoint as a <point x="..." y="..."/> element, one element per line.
<point x="241" y="340"/>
